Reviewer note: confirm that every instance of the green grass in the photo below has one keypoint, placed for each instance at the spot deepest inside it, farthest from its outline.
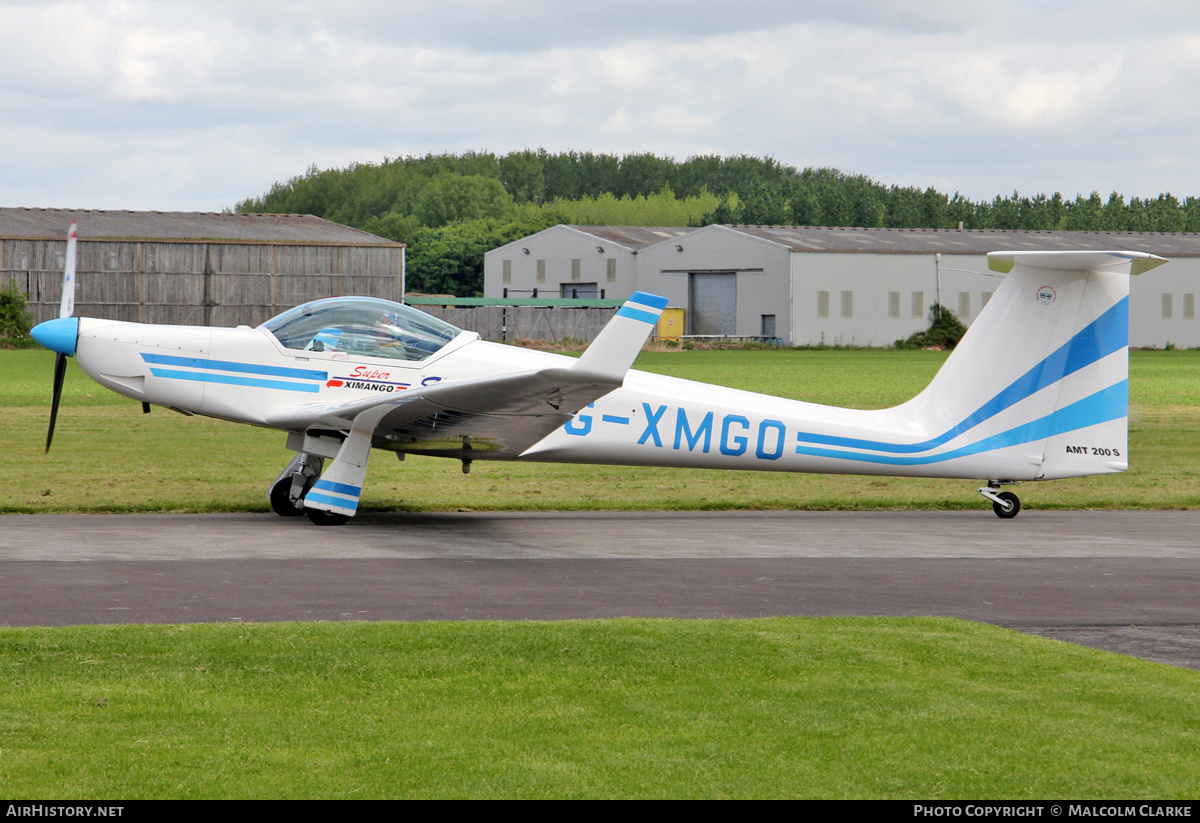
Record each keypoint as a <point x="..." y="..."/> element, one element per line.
<point x="781" y="707"/>
<point x="109" y="457"/>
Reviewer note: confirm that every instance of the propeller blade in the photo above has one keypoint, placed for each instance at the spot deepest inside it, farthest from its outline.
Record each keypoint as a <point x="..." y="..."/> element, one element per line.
<point x="60" y="371"/>
<point x="66" y="308"/>
<point x="61" y="335"/>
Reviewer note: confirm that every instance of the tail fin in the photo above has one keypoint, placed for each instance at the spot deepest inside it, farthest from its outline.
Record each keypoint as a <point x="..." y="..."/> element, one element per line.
<point x="613" y="351"/>
<point x="1045" y="366"/>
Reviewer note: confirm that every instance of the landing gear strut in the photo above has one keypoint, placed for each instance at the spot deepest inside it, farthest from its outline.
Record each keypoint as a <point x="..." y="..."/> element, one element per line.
<point x="287" y="492"/>
<point x="1004" y="504"/>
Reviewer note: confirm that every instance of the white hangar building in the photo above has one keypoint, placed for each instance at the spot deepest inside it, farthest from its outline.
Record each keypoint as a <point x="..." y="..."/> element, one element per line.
<point x="837" y="286"/>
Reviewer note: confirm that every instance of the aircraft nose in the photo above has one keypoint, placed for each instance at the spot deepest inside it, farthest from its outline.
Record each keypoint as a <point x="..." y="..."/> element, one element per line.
<point x="58" y="335"/>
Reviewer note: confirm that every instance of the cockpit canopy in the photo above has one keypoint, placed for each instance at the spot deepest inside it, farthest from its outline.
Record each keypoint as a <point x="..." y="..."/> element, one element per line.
<point x="361" y="326"/>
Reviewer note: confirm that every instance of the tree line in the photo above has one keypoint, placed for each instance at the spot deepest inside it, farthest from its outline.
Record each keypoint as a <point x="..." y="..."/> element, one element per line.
<point x="449" y="209"/>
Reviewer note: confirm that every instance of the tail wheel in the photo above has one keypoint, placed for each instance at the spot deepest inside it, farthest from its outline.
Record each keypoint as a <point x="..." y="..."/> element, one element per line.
<point x="1009" y="507"/>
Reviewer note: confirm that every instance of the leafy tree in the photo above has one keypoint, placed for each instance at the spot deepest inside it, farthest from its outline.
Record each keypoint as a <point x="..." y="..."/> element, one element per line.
<point x="1083" y="215"/>
<point x="766" y="191"/>
<point x="522" y="176"/>
<point x="14" y="322"/>
<point x="643" y="175"/>
<point x="727" y="212"/>
<point x="1165" y="213"/>
<point x="660" y="209"/>
<point x="944" y="332"/>
<point x="1191" y="214"/>
<point x="456" y="198"/>
<point x="807" y="209"/>
<point x="765" y="205"/>
<point x="403" y="228"/>
<point x="449" y="259"/>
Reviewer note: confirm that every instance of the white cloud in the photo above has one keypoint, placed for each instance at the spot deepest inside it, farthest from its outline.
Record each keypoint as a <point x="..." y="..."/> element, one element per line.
<point x="139" y="104"/>
<point x="162" y="66"/>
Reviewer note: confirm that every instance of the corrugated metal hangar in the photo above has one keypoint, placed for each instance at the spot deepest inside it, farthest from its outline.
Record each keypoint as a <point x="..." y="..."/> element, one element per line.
<point x="192" y="268"/>
<point x="837" y="286"/>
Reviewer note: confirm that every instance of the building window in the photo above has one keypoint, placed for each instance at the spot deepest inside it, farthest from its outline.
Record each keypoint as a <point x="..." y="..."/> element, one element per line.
<point x="1167" y="307"/>
<point x="575" y="267"/>
<point x="893" y="304"/>
<point x="984" y="298"/>
<point x="541" y="271"/>
<point x="612" y="270"/>
<point x="964" y="305"/>
<point x="579" y="291"/>
<point x="1189" y="307"/>
<point x="822" y="304"/>
<point x="507" y="273"/>
<point x="847" y="304"/>
<point x="918" y="305"/>
<point x="768" y="325"/>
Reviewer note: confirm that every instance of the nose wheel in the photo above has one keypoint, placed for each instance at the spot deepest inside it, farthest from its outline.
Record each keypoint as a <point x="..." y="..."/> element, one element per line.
<point x="281" y="499"/>
<point x="1006" y="505"/>
<point x="287" y="492"/>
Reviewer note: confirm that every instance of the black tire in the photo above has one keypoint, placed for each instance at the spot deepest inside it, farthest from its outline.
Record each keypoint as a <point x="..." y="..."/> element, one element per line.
<point x="1014" y="506"/>
<point x="320" y="517"/>
<point x="281" y="502"/>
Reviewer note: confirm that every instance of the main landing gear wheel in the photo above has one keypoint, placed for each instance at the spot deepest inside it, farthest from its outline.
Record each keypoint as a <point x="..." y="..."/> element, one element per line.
<point x="1013" y="505"/>
<point x="281" y="499"/>
<point x="320" y="517"/>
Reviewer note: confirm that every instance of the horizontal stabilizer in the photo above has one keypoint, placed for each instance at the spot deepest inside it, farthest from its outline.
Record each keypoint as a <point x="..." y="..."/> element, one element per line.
<point x="1098" y="261"/>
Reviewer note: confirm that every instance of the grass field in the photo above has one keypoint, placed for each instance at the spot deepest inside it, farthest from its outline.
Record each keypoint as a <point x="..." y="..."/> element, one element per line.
<point x="109" y="457"/>
<point x="781" y="707"/>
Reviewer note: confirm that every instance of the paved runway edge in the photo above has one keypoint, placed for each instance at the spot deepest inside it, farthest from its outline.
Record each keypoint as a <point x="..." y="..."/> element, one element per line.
<point x="1124" y="581"/>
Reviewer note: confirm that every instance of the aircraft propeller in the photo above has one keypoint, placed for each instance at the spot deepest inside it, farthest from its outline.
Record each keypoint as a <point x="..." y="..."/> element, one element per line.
<point x="60" y="335"/>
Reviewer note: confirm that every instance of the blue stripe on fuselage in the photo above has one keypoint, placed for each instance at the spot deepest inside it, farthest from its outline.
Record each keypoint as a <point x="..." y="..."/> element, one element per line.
<point x="232" y="366"/>
<point x="1103" y="336"/>
<point x="1107" y="404"/>
<point x="234" y="380"/>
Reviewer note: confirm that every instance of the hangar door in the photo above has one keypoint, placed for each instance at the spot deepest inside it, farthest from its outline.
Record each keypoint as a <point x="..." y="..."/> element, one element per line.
<point x="712" y="299"/>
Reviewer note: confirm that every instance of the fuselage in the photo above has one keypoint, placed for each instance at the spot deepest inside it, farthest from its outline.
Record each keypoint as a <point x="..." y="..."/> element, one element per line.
<point x="246" y="375"/>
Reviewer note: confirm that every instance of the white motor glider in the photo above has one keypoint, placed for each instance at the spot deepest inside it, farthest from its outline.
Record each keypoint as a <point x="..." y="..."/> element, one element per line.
<point x="1037" y="390"/>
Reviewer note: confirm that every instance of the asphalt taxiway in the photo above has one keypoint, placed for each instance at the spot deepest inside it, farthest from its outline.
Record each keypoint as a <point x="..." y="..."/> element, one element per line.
<point x="1124" y="581"/>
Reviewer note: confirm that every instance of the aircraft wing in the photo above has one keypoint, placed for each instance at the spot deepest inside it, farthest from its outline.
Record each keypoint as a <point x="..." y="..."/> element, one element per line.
<point x="504" y="413"/>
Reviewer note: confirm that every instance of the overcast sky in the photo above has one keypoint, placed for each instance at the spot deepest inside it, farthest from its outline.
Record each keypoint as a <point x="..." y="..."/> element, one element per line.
<point x="188" y="105"/>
